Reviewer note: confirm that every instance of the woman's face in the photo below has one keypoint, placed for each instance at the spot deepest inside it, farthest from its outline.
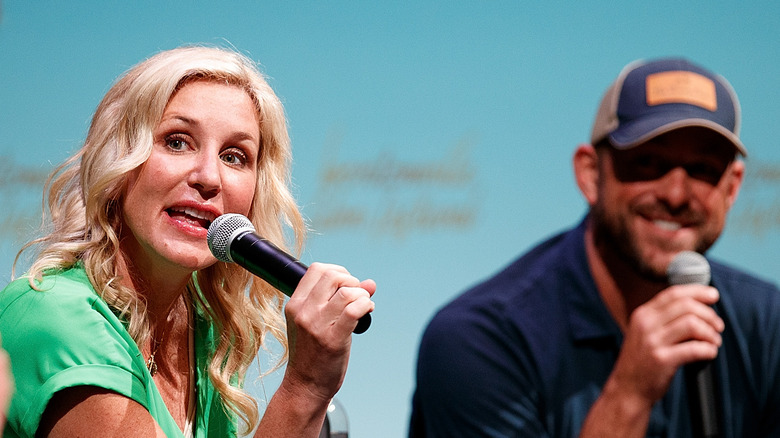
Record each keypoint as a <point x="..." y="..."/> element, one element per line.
<point x="203" y="164"/>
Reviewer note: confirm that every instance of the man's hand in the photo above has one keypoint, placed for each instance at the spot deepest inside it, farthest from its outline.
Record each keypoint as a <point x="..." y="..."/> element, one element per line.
<point x="676" y="327"/>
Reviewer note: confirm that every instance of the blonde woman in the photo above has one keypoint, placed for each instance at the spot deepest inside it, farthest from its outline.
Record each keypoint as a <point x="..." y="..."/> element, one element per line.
<point x="125" y="324"/>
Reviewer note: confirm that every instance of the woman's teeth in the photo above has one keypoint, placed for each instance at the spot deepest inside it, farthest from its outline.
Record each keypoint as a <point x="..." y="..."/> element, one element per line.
<point x="196" y="215"/>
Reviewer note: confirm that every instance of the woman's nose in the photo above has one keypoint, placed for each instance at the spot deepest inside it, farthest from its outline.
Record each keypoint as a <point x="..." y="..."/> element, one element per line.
<point x="205" y="175"/>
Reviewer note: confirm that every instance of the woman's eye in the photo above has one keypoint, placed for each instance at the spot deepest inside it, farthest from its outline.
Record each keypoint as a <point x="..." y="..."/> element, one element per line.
<point x="176" y="143"/>
<point x="234" y="157"/>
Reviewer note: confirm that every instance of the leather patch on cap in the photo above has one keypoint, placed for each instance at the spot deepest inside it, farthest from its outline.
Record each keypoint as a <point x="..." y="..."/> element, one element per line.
<point x="681" y="87"/>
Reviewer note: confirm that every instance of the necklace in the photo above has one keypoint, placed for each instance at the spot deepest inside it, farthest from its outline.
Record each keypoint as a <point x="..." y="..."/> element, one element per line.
<point x="151" y="365"/>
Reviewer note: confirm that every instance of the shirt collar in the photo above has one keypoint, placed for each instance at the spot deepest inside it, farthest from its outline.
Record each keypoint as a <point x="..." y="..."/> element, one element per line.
<point x="587" y="314"/>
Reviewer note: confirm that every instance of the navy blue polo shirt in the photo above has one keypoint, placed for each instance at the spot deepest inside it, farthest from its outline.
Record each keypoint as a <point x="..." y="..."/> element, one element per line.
<point x="526" y="353"/>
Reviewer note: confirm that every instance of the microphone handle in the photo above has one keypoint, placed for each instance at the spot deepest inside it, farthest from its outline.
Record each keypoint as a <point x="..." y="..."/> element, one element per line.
<point x="275" y="266"/>
<point x="700" y="383"/>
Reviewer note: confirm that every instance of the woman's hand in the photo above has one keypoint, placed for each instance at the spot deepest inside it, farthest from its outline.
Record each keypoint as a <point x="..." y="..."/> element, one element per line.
<point x="321" y="316"/>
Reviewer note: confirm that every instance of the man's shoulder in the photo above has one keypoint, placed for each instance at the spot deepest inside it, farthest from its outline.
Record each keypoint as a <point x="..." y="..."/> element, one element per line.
<point x="523" y="288"/>
<point x="737" y="280"/>
<point x="751" y="297"/>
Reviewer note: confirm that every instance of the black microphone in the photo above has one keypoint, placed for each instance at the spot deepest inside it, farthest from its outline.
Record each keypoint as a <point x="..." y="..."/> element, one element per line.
<point x="690" y="267"/>
<point x="232" y="238"/>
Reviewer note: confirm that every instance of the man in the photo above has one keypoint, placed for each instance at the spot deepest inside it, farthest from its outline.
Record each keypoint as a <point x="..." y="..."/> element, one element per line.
<point x="583" y="335"/>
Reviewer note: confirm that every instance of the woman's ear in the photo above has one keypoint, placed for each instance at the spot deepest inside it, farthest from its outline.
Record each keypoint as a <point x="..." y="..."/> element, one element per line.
<point x="586" y="172"/>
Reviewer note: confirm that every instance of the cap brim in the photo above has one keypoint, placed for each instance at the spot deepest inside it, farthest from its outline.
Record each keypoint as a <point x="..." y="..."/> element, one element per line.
<point x="633" y="134"/>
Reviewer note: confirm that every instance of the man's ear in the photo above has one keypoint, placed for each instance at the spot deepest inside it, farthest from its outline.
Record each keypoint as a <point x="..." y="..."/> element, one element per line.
<point x="586" y="172"/>
<point x="735" y="175"/>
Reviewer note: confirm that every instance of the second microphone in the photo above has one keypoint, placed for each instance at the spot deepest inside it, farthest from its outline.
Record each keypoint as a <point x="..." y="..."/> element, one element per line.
<point x="232" y="238"/>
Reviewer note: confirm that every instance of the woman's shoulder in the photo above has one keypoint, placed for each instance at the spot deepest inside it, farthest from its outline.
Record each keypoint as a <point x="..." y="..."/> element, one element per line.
<point x="61" y="334"/>
<point x="69" y="286"/>
<point x="61" y="304"/>
<point x="62" y="317"/>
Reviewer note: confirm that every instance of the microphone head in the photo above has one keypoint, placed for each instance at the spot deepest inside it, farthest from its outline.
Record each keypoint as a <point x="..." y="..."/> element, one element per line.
<point x="688" y="267"/>
<point x="223" y="231"/>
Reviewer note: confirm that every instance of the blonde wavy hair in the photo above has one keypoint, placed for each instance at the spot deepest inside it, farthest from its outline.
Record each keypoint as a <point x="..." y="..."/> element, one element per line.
<point x="84" y="202"/>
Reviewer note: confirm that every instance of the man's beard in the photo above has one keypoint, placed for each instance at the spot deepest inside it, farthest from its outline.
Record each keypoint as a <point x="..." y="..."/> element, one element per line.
<point x="611" y="232"/>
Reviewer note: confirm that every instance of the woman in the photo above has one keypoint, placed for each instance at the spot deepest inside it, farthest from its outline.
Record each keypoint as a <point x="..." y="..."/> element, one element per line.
<point x="125" y="323"/>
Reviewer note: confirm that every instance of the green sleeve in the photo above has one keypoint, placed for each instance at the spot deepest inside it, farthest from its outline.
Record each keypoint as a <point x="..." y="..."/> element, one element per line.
<point x="66" y="336"/>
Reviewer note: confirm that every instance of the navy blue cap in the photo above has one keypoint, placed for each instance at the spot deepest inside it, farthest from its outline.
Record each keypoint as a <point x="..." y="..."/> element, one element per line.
<point x="650" y="98"/>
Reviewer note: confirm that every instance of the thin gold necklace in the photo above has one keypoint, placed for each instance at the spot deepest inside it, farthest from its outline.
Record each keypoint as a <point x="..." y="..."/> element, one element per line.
<point x="151" y="365"/>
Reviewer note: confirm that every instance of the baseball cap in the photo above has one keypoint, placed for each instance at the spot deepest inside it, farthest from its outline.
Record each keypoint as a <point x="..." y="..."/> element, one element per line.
<point x="650" y="98"/>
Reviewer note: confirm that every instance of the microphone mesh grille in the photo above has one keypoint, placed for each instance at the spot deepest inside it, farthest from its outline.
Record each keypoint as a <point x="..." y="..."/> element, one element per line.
<point x="688" y="267"/>
<point x="222" y="232"/>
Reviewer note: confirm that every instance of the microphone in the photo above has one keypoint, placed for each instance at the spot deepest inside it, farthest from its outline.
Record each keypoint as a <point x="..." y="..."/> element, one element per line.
<point x="232" y="238"/>
<point x="690" y="267"/>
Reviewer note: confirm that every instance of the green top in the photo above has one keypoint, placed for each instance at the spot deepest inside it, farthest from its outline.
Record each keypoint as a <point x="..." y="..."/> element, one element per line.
<point x="66" y="336"/>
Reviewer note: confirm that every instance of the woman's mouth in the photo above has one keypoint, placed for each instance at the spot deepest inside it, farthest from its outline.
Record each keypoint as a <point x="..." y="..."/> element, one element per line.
<point x="192" y="216"/>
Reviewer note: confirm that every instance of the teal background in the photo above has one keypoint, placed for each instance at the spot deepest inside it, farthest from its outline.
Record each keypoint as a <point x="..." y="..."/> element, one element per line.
<point x="432" y="140"/>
